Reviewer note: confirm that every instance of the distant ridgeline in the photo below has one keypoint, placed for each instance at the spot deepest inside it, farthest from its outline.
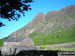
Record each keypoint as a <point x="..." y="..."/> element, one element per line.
<point x="52" y="28"/>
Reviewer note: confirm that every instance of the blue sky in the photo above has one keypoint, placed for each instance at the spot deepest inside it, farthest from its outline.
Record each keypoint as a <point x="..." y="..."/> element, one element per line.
<point x="37" y="6"/>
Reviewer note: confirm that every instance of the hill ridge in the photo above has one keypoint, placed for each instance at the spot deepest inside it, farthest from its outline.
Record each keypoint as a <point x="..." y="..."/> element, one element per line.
<point x="43" y="25"/>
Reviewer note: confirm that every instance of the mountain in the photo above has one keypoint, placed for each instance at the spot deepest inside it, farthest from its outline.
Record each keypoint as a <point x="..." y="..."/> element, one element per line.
<point x="51" y="28"/>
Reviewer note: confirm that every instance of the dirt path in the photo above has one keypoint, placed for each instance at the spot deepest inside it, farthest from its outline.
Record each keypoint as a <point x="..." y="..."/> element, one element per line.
<point x="63" y="45"/>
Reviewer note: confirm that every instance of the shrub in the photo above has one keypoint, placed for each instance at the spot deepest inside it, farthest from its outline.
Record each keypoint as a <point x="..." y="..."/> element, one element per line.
<point x="43" y="47"/>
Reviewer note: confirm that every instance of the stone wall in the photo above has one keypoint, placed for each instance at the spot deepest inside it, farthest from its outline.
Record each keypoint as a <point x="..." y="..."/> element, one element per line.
<point x="27" y="42"/>
<point x="8" y="45"/>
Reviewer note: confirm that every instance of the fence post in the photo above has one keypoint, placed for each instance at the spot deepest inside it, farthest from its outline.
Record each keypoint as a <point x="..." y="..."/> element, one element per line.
<point x="0" y="53"/>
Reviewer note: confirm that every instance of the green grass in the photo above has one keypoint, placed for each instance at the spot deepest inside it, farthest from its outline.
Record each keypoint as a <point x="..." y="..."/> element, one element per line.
<point x="54" y="38"/>
<point x="0" y="48"/>
<point x="46" y="38"/>
<point x="63" y="49"/>
<point x="2" y="40"/>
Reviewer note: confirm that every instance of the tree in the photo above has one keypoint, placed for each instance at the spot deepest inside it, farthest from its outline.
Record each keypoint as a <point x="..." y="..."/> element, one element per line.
<point x="12" y="9"/>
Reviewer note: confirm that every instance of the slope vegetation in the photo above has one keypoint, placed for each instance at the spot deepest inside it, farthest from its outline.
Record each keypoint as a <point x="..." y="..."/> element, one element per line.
<point x="51" y="28"/>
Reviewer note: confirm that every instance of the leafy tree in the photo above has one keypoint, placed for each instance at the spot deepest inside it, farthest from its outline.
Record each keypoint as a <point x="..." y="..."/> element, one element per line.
<point x="12" y="9"/>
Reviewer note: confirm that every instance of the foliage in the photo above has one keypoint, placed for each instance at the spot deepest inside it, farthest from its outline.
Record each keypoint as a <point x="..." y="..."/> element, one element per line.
<point x="0" y="48"/>
<point x="2" y="40"/>
<point x="52" y="38"/>
<point x="12" y="9"/>
<point x="43" y="47"/>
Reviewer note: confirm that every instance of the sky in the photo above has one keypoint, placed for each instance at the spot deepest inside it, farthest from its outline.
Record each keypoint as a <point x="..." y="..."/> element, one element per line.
<point x="37" y="6"/>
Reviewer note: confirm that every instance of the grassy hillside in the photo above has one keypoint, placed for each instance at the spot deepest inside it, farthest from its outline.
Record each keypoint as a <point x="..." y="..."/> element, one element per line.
<point x="2" y="40"/>
<point x="54" y="38"/>
<point x="51" y="28"/>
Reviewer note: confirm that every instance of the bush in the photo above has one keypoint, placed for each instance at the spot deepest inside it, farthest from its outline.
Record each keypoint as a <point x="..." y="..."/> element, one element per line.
<point x="43" y="47"/>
